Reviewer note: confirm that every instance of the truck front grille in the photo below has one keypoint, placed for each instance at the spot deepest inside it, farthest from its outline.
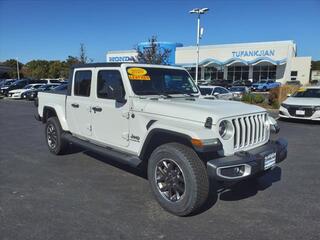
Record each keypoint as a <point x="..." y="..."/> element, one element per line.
<point x="249" y="131"/>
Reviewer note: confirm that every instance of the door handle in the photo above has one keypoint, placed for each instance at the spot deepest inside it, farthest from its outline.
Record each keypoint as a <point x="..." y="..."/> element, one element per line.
<point x="97" y="109"/>
<point x="75" y="105"/>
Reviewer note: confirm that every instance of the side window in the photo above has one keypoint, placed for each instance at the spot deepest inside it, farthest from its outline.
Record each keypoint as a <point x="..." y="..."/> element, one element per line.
<point x="223" y="91"/>
<point x="217" y="90"/>
<point x="82" y="83"/>
<point x="108" y="82"/>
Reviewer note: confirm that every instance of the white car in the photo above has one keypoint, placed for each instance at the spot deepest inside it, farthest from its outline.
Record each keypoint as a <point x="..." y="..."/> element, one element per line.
<point x="304" y="104"/>
<point x="17" y="92"/>
<point x="216" y="92"/>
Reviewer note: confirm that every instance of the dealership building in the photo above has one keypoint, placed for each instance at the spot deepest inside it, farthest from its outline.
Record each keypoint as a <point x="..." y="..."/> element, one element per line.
<point x="276" y="60"/>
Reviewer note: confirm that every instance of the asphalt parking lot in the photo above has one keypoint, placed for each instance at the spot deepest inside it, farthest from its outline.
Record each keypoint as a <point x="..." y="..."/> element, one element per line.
<point x="84" y="196"/>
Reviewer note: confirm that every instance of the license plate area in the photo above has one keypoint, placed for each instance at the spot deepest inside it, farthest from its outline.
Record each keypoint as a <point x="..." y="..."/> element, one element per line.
<point x="270" y="160"/>
<point x="300" y="112"/>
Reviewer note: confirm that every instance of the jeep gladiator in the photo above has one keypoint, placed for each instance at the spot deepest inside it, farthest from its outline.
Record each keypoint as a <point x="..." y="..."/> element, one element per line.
<point x="151" y="116"/>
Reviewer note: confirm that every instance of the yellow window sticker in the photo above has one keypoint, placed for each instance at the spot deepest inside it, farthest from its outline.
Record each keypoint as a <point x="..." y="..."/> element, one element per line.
<point x="302" y="89"/>
<point x="137" y="71"/>
<point x="143" y="77"/>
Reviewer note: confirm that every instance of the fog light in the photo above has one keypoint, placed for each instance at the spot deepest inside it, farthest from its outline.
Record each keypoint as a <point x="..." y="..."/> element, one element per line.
<point x="232" y="172"/>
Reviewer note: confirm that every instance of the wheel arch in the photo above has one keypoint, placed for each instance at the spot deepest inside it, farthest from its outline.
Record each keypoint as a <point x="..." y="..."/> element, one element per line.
<point x="159" y="136"/>
<point x="49" y="111"/>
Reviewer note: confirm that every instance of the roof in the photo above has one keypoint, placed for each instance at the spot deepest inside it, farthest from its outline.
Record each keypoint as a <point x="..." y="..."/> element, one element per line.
<point x="104" y="64"/>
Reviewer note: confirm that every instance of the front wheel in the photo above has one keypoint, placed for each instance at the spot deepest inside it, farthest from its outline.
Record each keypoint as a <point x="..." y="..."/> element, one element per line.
<point x="178" y="178"/>
<point x="54" y="136"/>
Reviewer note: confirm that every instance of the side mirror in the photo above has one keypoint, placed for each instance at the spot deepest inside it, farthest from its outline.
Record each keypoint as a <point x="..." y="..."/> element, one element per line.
<point x="119" y="95"/>
<point x="216" y="94"/>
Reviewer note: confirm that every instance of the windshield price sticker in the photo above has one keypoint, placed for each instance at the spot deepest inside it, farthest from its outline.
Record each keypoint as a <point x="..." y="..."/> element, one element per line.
<point x="137" y="71"/>
<point x="143" y="78"/>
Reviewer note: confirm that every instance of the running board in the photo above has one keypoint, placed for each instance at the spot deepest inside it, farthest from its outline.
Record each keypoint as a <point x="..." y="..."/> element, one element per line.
<point x="124" y="158"/>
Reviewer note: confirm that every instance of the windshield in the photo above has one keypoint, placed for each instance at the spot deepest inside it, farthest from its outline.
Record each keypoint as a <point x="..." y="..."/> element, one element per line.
<point x="263" y="81"/>
<point x="308" y="93"/>
<point x="157" y="81"/>
<point x="8" y="83"/>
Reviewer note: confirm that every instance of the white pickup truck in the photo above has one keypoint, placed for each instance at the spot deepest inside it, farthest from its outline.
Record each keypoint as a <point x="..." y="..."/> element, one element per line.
<point x="151" y="115"/>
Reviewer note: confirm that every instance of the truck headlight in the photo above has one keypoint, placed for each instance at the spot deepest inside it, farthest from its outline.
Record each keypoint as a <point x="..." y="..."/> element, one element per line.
<point x="225" y="129"/>
<point x="274" y="127"/>
<point x="317" y="108"/>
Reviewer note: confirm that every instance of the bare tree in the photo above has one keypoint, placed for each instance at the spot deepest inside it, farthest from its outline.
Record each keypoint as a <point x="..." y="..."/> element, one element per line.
<point x="83" y="55"/>
<point x="153" y="54"/>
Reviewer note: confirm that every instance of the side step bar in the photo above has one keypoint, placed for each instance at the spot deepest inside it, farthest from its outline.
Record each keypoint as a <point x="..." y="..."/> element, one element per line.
<point x="124" y="158"/>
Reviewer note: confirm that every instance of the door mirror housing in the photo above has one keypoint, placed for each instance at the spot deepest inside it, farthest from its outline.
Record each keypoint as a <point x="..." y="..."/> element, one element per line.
<point x="216" y="94"/>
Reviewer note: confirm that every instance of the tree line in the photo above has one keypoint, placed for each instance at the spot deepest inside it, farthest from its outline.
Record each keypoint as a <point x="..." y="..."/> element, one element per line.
<point x="37" y="69"/>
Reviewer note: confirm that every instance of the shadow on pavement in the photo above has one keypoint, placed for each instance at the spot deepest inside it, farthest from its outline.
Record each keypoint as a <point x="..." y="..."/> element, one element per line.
<point x="139" y="171"/>
<point x="251" y="187"/>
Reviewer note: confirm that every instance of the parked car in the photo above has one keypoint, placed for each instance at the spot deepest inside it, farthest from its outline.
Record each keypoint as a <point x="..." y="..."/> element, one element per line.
<point x="245" y="83"/>
<point x="304" y="104"/>
<point x="18" y="84"/>
<point x="61" y="88"/>
<point x="33" y="93"/>
<point x="216" y="92"/>
<point x="150" y="116"/>
<point x="49" y="81"/>
<point x="265" y="85"/>
<point x="5" y="85"/>
<point x="239" y="91"/>
<point x="18" y="92"/>
<point x="222" y="83"/>
<point x="295" y="83"/>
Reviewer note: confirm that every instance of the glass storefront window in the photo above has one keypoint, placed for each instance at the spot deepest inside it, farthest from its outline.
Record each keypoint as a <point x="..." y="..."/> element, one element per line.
<point x="264" y="72"/>
<point x="213" y="73"/>
<point x="236" y="73"/>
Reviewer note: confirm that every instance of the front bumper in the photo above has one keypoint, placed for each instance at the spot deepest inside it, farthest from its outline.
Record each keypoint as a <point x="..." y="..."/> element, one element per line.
<point x="284" y="113"/>
<point x="249" y="163"/>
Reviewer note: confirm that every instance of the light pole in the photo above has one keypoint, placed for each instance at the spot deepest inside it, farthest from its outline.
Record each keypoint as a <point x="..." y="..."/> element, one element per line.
<point x="18" y="73"/>
<point x="198" y="11"/>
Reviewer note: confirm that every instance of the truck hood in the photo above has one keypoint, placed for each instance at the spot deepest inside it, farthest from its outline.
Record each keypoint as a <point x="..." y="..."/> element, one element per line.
<point x="195" y="109"/>
<point x="302" y="101"/>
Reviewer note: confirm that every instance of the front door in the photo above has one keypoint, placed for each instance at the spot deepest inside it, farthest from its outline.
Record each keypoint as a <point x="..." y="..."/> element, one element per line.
<point x="78" y="106"/>
<point x="110" y="119"/>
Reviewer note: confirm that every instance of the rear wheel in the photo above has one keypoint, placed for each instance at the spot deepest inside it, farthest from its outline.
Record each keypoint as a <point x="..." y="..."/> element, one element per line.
<point x="54" y="136"/>
<point x="178" y="178"/>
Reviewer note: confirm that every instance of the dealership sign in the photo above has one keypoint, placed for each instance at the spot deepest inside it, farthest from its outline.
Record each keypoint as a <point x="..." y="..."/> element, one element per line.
<point x="121" y="59"/>
<point x="254" y="53"/>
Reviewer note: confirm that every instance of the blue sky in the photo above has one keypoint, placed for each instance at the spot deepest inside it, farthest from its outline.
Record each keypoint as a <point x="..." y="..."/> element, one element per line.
<point x="43" y="29"/>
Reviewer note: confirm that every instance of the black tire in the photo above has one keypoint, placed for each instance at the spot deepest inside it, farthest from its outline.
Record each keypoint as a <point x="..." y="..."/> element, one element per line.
<point x="193" y="171"/>
<point x="54" y="136"/>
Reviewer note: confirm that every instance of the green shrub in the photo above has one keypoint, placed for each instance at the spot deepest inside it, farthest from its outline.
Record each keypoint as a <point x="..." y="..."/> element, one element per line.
<point x="252" y="98"/>
<point x="258" y="98"/>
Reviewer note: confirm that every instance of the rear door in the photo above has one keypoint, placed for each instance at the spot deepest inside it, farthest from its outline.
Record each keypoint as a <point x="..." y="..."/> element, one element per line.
<point x="78" y="106"/>
<point x="110" y="119"/>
